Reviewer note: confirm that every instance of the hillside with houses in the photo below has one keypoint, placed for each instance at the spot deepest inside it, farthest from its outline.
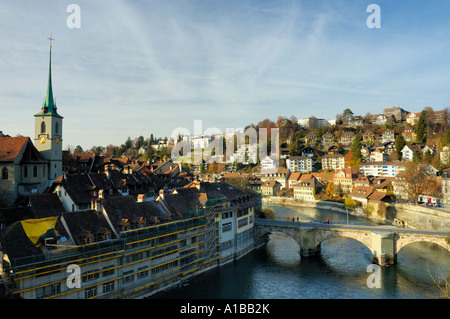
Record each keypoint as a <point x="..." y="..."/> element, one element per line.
<point x="396" y="156"/>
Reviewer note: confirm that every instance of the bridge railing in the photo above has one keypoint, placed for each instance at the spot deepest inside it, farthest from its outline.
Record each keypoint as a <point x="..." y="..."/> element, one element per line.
<point x="299" y="220"/>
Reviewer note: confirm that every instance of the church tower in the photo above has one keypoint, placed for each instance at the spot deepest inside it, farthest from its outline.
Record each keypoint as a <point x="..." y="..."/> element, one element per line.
<point x="48" y="129"/>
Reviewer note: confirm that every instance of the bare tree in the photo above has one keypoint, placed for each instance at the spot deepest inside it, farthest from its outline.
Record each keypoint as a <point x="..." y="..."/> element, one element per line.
<point x="413" y="181"/>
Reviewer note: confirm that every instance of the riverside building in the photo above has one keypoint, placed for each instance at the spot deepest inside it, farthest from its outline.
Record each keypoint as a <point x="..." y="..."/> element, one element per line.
<point x="123" y="248"/>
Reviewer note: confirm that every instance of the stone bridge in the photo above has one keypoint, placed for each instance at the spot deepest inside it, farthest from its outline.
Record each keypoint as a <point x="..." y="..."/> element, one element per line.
<point x="383" y="241"/>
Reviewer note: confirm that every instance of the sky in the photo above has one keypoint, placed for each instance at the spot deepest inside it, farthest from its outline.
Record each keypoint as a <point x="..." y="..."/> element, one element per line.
<point x="132" y="68"/>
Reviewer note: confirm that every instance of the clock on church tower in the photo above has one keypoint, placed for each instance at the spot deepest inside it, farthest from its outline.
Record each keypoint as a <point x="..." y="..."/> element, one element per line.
<point x="48" y="128"/>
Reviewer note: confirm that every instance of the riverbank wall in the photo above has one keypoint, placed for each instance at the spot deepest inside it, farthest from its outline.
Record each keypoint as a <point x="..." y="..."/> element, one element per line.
<point x="287" y="201"/>
<point x="418" y="217"/>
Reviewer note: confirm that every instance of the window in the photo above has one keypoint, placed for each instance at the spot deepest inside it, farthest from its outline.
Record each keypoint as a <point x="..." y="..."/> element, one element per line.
<point x="56" y="127"/>
<point x="91" y="275"/>
<point x="25" y="171"/>
<point x="35" y="171"/>
<point x="4" y="173"/>
<point x="90" y="292"/>
<point x="108" y="287"/>
<point x="42" y="127"/>
<point x="226" y="227"/>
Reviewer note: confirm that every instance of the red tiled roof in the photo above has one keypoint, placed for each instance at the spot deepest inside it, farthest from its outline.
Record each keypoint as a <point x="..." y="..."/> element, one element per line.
<point x="10" y="147"/>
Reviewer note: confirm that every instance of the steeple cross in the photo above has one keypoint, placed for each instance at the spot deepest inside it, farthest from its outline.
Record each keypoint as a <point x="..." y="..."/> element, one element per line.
<point x="51" y="39"/>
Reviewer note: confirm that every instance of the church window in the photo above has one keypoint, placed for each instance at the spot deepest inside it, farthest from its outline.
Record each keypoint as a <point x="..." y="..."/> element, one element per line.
<point x="56" y="127"/>
<point x="4" y="173"/>
<point x="35" y="171"/>
<point x="43" y="127"/>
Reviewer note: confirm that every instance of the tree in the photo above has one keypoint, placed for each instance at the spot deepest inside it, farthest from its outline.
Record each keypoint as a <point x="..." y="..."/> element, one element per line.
<point x="347" y="115"/>
<point x="421" y="129"/>
<point x="413" y="181"/>
<point x="400" y="143"/>
<point x="139" y="142"/>
<point x="128" y="143"/>
<point x="349" y="202"/>
<point x="446" y="138"/>
<point x="329" y="192"/>
<point x="356" y="148"/>
<point x="78" y="149"/>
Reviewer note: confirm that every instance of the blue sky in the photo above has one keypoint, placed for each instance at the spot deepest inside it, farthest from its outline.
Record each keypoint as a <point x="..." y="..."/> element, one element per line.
<point x="140" y="67"/>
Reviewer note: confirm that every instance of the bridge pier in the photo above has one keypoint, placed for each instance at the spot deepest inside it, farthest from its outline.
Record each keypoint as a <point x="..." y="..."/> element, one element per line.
<point x="308" y="252"/>
<point x="383" y="249"/>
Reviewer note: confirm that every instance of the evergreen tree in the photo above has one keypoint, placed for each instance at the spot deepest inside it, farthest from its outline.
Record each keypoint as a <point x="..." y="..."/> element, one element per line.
<point x="421" y="129"/>
<point x="400" y="143"/>
<point x="356" y="149"/>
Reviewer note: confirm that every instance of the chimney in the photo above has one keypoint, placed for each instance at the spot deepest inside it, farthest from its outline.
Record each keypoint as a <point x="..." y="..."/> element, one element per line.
<point x="107" y="171"/>
<point x="141" y="198"/>
<point x="180" y="168"/>
<point x="96" y="205"/>
<point x="161" y="194"/>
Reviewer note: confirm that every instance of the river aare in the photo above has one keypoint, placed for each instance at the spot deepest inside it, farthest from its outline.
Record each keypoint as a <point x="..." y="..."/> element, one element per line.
<point x="341" y="271"/>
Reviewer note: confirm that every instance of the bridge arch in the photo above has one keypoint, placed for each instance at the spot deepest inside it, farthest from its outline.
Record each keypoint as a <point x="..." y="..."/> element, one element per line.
<point x="262" y="233"/>
<point x="364" y="238"/>
<point x="403" y="240"/>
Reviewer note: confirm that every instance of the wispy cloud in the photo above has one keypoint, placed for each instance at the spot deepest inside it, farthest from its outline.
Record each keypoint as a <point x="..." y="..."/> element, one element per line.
<point x="141" y="67"/>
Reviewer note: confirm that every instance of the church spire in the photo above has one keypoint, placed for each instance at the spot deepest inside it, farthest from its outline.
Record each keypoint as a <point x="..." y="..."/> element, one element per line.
<point x="49" y="105"/>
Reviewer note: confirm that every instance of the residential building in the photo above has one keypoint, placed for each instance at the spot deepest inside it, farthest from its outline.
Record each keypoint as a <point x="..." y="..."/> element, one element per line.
<point x="387" y="169"/>
<point x="268" y="164"/>
<point x="365" y="153"/>
<point x="369" y="137"/>
<point x="347" y="138"/>
<point x="294" y="178"/>
<point x="387" y="136"/>
<point x="356" y="121"/>
<point x="368" y="194"/>
<point x="444" y="156"/>
<point x="412" y="118"/>
<point x="128" y="248"/>
<point x="389" y="147"/>
<point x="408" y="151"/>
<point x="378" y="156"/>
<point x="380" y="119"/>
<point x="343" y="179"/>
<point x="409" y="135"/>
<point x="311" y="139"/>
<point x="333" y="162"/>
<point x="307" y="189"/>
<point x="312" y="123"/>
<point x="446" y="187"/>
<point x="270" y="188"/>
<point x="301" y="164"/>
<point x="328" y="140"/>
<point x="281" y="176"/>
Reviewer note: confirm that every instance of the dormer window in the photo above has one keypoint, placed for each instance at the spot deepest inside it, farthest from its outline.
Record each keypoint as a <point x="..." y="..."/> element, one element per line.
<point x="126" y="225"/>
<point x="107" y="235"/>
<point x="89" y="239"/>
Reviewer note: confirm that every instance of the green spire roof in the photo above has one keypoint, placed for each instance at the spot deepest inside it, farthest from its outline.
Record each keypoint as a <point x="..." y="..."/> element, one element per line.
<point x="49" y="105"/>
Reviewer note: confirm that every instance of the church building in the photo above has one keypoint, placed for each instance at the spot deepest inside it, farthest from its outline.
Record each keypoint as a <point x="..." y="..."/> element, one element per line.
<point x="26" y="168"/>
